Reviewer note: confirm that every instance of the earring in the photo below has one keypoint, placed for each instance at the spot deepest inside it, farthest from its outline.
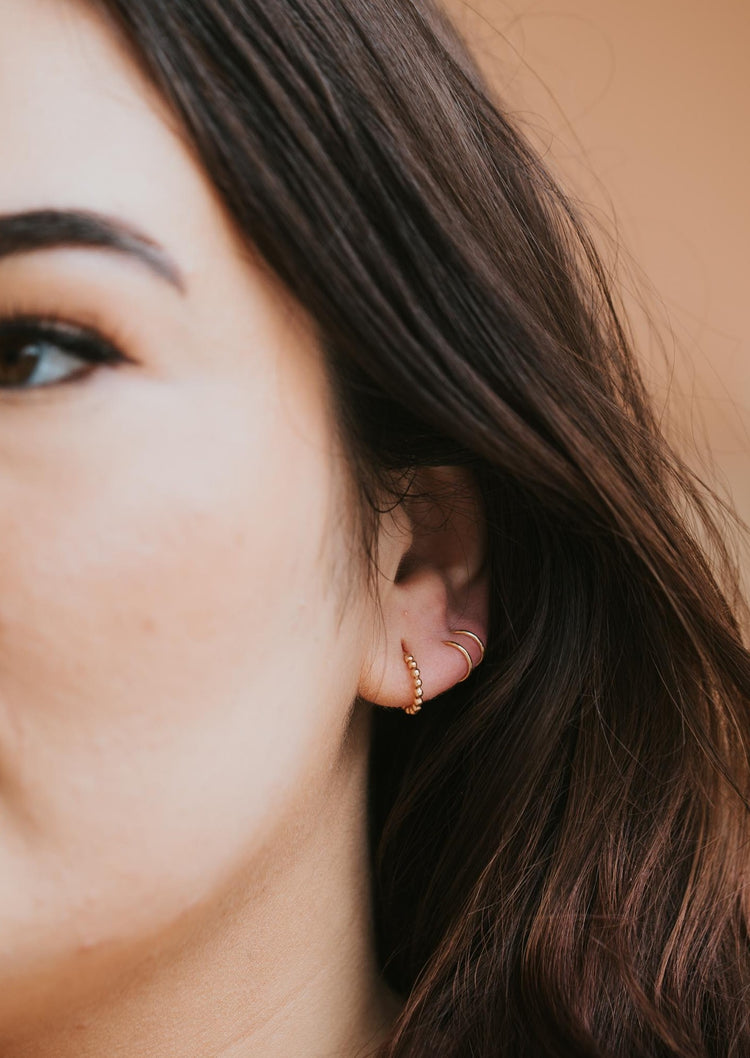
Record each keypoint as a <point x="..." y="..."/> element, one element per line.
<point x="411" y="664"/>
<point x="467" y="658"/>
<point x="464" y="651"/>
<point x="416" y="705"/>
<point x="474" y="636"/>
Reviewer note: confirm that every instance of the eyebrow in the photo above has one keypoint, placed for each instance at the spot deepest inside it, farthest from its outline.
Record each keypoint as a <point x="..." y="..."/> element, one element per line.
<point x="44" y="229"/>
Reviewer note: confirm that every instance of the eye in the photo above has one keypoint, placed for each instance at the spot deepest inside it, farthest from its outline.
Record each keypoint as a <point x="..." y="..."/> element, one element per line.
<point x="44" y="351"/>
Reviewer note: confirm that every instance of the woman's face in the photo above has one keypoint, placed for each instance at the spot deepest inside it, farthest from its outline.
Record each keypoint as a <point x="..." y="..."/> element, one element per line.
<point x="173" y="667"/>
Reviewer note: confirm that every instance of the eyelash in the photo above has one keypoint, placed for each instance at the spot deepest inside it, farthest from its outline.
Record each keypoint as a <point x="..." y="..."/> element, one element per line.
<point x="86" y="342"/>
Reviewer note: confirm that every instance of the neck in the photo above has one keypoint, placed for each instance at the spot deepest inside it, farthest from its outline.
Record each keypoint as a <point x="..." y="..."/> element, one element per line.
<point x="281" y="965"/>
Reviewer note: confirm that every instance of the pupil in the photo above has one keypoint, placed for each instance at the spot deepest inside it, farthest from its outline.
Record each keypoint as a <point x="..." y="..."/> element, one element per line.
<point x="17" y="365"/>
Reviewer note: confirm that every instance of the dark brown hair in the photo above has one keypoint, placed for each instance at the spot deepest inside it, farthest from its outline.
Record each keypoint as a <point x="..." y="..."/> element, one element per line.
<point x="559" y="844"/>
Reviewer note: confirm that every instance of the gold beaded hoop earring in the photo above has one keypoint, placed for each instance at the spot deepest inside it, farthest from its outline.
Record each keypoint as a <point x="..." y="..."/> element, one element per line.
<point x="416" y="704"/>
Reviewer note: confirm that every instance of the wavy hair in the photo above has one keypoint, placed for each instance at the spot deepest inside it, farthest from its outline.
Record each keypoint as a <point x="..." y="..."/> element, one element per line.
<point x="558" y="846"/>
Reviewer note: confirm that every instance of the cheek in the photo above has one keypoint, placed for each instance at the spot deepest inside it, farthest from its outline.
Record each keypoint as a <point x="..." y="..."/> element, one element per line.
<point x="165" y="626"/>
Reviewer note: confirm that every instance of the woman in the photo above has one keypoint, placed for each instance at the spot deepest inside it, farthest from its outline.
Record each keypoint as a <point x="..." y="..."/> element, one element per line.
<point x="372" y="682"/>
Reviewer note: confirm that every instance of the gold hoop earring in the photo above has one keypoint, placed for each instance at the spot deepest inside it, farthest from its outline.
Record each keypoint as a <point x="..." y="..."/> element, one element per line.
<point x="467" y="658"/>
<point x="416" y="705"/>
<point x="474" y="636"/>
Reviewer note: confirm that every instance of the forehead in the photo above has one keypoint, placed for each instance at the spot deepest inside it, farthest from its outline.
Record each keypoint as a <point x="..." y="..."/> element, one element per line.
<point x="81" y="128"/>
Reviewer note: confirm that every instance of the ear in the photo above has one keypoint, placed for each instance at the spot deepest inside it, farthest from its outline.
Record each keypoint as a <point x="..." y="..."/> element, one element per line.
<point x="436" y="583"/>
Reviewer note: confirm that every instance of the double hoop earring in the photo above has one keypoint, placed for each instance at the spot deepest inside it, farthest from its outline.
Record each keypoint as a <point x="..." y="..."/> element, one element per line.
<point x="464" y="651"/>
<point x="416" y="704"/>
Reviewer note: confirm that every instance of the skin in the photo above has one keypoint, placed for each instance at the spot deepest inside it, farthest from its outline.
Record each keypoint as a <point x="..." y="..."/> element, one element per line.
<point x="183" y="755"/>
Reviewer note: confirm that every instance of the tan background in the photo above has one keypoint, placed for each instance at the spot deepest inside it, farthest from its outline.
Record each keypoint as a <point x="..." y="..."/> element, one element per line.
<point x="643" y="109"/>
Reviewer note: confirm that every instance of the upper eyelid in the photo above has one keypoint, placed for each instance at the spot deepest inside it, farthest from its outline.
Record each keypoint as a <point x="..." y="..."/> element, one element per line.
<point x="69" y="335"/>
<point x="83" y="322"/>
